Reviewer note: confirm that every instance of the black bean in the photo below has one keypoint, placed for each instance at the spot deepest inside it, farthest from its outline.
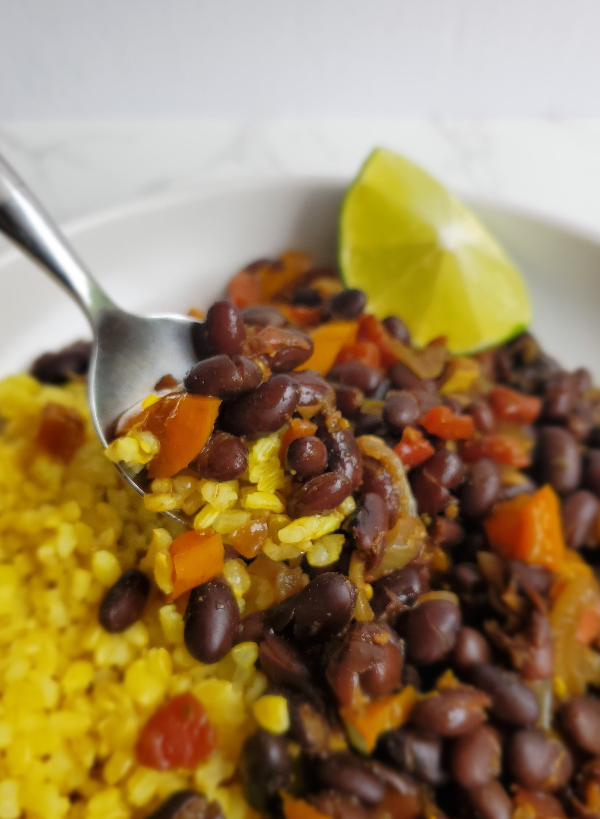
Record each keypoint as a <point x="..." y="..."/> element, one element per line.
<point x="344" y="455"/>
<point x="262" y="315"/>
<point x="431" y="496"/>
<point x="580" y="719"/>
<point x="397" y="329"/>
<point x="187" y="805"/>
<point x="513" y="702"/>
<point x="282" y="663"/>
<point x="211" y="621"/>
<point x="307" y="456"/>
<point x="446" y="468"/>
<point x="367" y="528"/>
<point x="223" y="458"/>
<point x="490" y="801"/>
<point x="527" y="577"/>
<point x="356" y="374"/>
<point x="253" y="628"/>
<point x="347" y="774"/>
<point x="324" y="608"/>
<point x="348" y="304"/>
<point x="432" y="629"/>
<point x="60" y="367"/>
<point x="264" y="410"/>
<point x="306" y="297"/>
<point x="308" y="728"/>
<point x="451" y="712"/>
<point x="591" y="475"/>
<point x="483" y="417"/>
<point x="418" y="754"/>
<point x="124" y="602"/>
<point x="403" y="378"/>
<point x="395" y="592"/>
<point x="338" y="807"/>
<point x="314" y="390"/>
<point x="557" y="460"/>
<point x="560" y="398"/>
<point x="475" y="757"/>
<point x="401" y="410"/>
<point x="266" y="768"/>
<point x="471" y="648"/>
<point x="466" y="579"/>
<point x="288" y="349"/>
<point x="225" y="330"/>
<point x="539" y="762"/>
<point x="481" y="489"/>
<point x="579" y="513"/>
<point x="446" y="532"/>
<point x="593" y="440"/>
<point x="319" y="494"/>
<point x="368" y="660"/>
<point x="348" y="400"/>
<point x="378" y="480"/>
<point x="223" y="376"/>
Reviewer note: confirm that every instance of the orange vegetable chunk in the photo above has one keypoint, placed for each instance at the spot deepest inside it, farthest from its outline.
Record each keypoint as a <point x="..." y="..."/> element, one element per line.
<point x="511" y="405"/>
<point x="328" y="340"/>
<point x="244" y="289"/>
<point x="441" y="421"/>
<point x="504" y="449"/>
<point x="413" y="448"/>
<point x="366" y="352"/>
<point x="197" y="557"/>
<point x="529" y="528"/>
<point x="366" y="722"/>
<point x="183" y="424"/>
<point x="299" y="809"/>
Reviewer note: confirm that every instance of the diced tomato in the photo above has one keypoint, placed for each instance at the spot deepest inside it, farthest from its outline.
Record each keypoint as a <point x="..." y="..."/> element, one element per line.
<point x="511" y="405"/>
<point x="61" y="432"/>
<point x="441" y="421"/>
<point x="504" y="449"/>
<point x="413" y="448"/>
<point x="366" y="352"/>
<point x="371" y="329"/>
<point x="244" y="289"/>
<point x="178" y="735"/>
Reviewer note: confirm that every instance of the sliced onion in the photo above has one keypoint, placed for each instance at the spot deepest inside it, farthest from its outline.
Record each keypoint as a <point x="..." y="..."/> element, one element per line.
<point x="404" y="542"/>
<point x="374" y="447"/>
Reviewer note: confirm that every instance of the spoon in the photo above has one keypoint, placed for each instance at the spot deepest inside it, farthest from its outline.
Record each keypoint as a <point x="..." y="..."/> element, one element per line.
<point x="130" y="353"/>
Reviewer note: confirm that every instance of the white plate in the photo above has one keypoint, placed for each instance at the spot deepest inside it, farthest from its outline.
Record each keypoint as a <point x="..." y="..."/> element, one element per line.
<point x="179" y="250"/>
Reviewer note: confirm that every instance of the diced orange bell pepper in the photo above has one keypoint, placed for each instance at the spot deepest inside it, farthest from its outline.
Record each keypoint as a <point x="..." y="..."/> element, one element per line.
<point x="504" y="449"/>
<point x="299" y="809"/>
<point x="588" y="628"/>
<point x="413" y="448"/>
<point x="183" y="424"/>
<point x="299" y="314"/>
<point x="528" y="528"/>
<point x="299" y="428"/>
<point x="328" y="340"/>
<point x="197" y="557"/>
<point x="244" y="289"/>
<point x="366" y="352"/>
<point x="510" y="405"/>
<point x="367" y="722"/>
<point x="441" y="421"/>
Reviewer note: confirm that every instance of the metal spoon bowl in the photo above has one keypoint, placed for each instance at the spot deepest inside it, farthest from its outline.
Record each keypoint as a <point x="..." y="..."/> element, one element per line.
<point x="130" y="353"/>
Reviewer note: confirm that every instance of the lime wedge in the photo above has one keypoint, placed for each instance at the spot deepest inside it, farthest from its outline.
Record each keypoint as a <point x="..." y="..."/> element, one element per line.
<point x="420" y="254"/>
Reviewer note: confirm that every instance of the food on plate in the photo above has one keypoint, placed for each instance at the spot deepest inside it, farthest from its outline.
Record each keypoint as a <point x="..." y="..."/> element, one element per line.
<point x="384" y="604"/>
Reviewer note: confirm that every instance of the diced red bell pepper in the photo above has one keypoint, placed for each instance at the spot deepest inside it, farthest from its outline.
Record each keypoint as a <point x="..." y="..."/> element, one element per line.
<point x="413" y="448"/>
<point x="371" y="329"/>
<point x="504" y="449"/>
<point x="366" y="352"/>
<point x="510" y="405"/>
<point x="441" y="421"/>
<point x="178" y="735"/>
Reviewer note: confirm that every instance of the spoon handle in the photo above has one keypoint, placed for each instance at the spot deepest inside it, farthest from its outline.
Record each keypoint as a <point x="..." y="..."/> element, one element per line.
<point x="24" y="221"/>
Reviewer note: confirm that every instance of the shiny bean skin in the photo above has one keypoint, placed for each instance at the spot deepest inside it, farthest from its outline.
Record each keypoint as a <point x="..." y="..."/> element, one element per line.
<point x="348" y="304"/>
<point x="223" y="376"/>
<point x="483" y="417"/>
<point x="307" y="456"/>
<point x="319" y="494"/>
<point x="471" y="648"/>
<point x="451" y="712"/>
<point x="211" y="621"/>
<point x="513" y="702"/>
<point x="481" y="489"/>
<point x="290" y="350"/>
<point x="344" y="455"/>
<point x="314" y="390"/>
<point x="338" y="807"/>
<point x="395" y="592"/>
<point x="397" y="329"/>
<point x="187" y="805"/>
<point x="560" y="398"/>
<point x="253" y="628"/>
<point x="580" y="720"/>
<point x="60" y="367"/>
<point x="124" y="602"/>
<point x="432" y="630"/>
<point x="446" y="468"/>
<point x="431" y="496"/>
<point x="538" y="761"/>
<point x="355" y="374"/>
<point x="591" y="475"/>
<point x="368" y="660"/>
<point x="266" y="768"/>
<point x="579" y="512"/>
<point x="475" y="757"/>
<point x="403" y="378"/>
<point x="262" y="411"/>
<point x="368" y="527"/>
<point x="347" y="774"/>
<point x="282" y="663"/>
<point x="558" y="461"/>
<point x="325" y="607"/>
<point x="348" y="400"/>
<point x="262" y="315"/>
<point x="378" y="480"/>
<point x="223" y="458"/>
<point x="490" y="801"/>
<point x="417" y="754"/>
<point x="225" y="330"/>
<point x="401" y="410"/>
